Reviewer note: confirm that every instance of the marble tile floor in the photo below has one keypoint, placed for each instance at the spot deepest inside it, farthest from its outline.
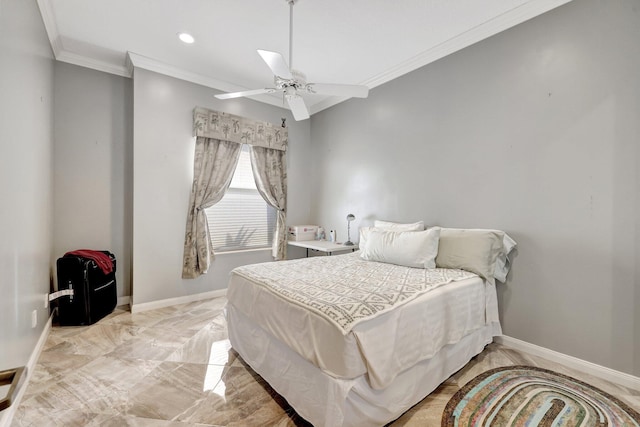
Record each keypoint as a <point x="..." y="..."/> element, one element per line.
<point x="174" y="367"/>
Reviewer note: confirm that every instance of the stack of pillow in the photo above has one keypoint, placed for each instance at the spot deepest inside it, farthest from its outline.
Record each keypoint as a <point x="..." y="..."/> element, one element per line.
<point x="480" y="251"/>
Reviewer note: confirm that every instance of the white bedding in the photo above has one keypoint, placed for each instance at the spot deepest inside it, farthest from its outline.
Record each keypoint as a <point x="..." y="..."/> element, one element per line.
<point x="326" y="401"/>
<point x="430" y="321"/>
<point x="347" y="290"/>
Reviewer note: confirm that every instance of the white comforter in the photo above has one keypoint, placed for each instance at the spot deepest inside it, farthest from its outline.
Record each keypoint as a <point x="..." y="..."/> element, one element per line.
<point x="427" y="315"/>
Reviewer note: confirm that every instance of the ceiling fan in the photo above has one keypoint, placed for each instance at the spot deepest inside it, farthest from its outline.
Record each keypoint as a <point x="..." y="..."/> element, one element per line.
<point x="293" y="82"/>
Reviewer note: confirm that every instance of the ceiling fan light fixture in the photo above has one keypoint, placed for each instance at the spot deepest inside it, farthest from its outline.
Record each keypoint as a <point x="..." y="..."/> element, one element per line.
<point x="186" y="38"/>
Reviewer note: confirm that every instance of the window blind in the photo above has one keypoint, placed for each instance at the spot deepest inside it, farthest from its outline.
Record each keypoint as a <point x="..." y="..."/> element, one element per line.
<point x="242" y="219"/>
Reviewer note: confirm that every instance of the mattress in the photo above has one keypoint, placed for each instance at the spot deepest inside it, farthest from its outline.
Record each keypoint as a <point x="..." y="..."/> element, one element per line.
<point x="430" y="321"/>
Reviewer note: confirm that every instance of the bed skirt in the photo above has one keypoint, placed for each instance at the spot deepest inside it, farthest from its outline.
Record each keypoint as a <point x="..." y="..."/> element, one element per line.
<point x="324" y="400"/>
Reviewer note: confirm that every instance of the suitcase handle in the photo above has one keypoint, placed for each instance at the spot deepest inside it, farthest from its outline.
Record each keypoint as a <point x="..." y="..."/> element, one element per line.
<point x="56" y="295"/>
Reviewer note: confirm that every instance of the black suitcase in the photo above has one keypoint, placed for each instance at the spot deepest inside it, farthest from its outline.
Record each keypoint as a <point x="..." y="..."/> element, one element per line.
<point x="94" y="293"/>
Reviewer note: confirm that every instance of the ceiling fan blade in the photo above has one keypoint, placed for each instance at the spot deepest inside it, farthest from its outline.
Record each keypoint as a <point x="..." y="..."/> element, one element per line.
<point x="299" y="110"/>
<point x="356" y="91"/>
<point x="276" y="63"/>
<point x="245" y="93"/>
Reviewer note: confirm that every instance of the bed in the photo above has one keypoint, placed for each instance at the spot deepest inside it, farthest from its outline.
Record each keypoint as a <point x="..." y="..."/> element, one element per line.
<point x="357" y="339"/>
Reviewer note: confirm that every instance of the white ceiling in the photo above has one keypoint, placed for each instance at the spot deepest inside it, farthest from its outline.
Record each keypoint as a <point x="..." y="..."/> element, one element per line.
<point x="334" y="41"/>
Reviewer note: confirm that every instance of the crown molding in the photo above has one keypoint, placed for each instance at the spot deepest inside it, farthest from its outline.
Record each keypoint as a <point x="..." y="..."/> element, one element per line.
<point x="95" y="64"/>
<point x="487" y="29"/>
<point x="129" y="64"/>
<point x="49" y="20"/>
<point x="140" y="61"/>
<point x="481" y="32"/>
<point x="64" y="55"/>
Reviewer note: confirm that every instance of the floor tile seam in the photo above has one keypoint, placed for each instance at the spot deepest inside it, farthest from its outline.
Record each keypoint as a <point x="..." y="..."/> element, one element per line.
<point x="42" y="388"/>
<point x="52" y="409"/>
<point x="134" y="323"/>
<point x="128" y="388"/>
<point x="93" y="383"/>
<point x="51" y="412"/>
<point x="62" y="355"/>
<point x="222" y="365"/>
<point x="112" y="355"/>
<point x="155" y="373"/>
<point x="160" y="360"/>
<point x="196" y="403"/>
<point x="186" y="387"/>
<point x="154" y="341"/>
<point x="178" y="331"/>
<point x="58" y="330"/>
<point x="191" y="330"/>
<point x="180" y="365"/>
<point x="84" y="343"/>
<point x="85" y="377"/>
<point x="151" y="342"/>
<point x="140" y="418"/>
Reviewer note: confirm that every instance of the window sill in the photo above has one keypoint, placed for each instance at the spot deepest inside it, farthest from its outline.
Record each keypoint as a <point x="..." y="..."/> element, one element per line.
<point x="239" y="251"/>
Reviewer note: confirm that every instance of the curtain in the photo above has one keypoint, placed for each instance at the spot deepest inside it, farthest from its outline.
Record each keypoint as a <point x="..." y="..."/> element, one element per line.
<point x="213" y="167"/>
<point x="270" y="173"/>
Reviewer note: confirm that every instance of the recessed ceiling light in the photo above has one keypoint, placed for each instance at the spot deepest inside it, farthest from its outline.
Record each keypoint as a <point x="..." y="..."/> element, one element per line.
<point x="186" y="38"/>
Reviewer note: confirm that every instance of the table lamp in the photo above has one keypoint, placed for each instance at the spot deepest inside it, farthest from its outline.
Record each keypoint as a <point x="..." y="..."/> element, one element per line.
<point x="350" y="218"/>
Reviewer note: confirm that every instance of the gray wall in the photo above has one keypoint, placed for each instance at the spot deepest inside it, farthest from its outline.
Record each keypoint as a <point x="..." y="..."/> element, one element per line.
<point x="93" y="165"/>
<point x="163" y="172"/>
<point x="533" y="131"/>
<point x="26" y="119"/>
<point x="540" y="125"/>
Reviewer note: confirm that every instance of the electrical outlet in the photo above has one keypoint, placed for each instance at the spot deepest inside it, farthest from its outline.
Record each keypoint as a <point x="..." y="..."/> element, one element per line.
<point x="34" y="318"/>
<point x="46" y="300"/>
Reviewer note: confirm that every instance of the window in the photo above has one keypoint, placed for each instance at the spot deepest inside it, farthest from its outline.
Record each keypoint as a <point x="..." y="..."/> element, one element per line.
<point x="242" y="219"/>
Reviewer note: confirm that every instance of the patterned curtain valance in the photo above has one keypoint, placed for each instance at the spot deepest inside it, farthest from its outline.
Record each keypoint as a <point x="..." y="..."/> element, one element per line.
<point x="229" y="127"/>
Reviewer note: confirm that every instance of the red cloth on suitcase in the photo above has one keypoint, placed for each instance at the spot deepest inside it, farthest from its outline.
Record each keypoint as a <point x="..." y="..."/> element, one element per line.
<point x="102" y="259"/>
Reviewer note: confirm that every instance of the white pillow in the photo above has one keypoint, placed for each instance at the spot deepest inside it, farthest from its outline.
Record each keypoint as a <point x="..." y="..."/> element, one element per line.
<point x="416" y="249"/>
<point x="396" y="226"/>
<point x="471" y="250"/>
<point x="364" y="236"/>
<point x="503" y="263"/>
<point x="387" y="226"/>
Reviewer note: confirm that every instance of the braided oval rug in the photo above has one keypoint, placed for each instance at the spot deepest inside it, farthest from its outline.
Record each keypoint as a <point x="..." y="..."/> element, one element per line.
<point x="530" y="396"/>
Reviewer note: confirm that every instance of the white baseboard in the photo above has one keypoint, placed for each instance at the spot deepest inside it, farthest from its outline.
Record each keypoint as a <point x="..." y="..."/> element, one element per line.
<point x="599" y="371"/>
<point x="126" y="300"/>
<point x="7" y="415"/>
<point x="137" y="308"/>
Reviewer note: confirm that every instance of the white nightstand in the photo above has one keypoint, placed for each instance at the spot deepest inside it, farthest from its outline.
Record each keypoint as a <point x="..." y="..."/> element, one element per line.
<point x="322" y="246"/>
